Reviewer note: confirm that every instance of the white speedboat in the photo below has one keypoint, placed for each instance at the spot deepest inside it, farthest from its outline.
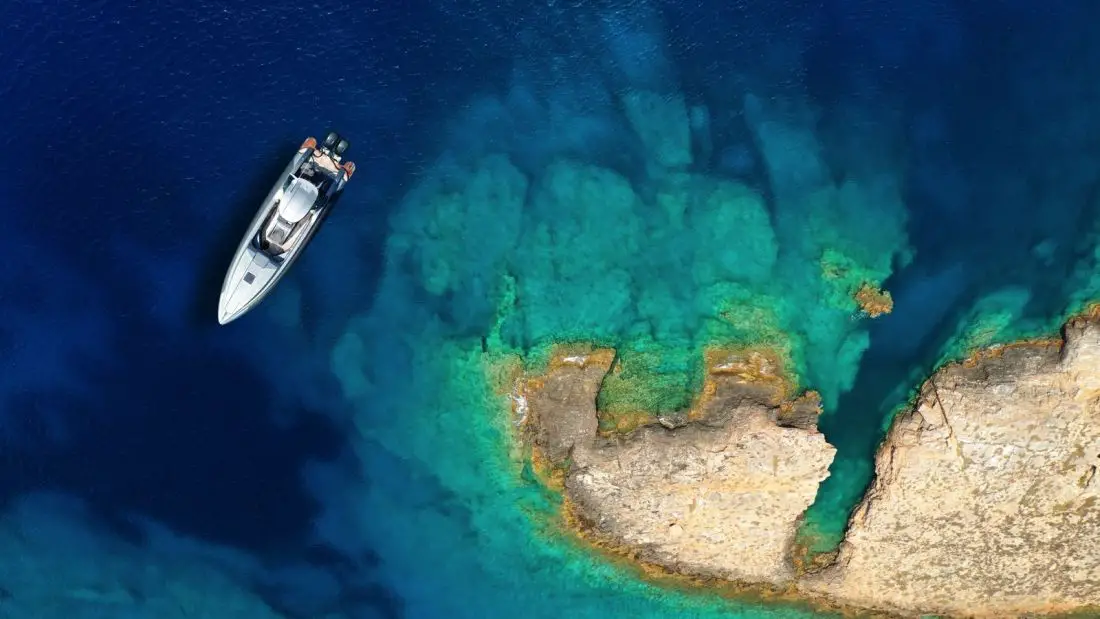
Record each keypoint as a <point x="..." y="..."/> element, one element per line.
<point x="288" y="218"/>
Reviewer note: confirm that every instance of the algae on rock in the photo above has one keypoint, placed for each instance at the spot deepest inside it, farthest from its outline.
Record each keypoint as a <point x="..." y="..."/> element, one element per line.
<point x="719" y="495"/>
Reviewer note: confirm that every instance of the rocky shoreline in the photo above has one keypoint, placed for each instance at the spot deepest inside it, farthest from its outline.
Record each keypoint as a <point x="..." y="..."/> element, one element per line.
<point x="982" y="504"/>
<point x="667" y="491"/>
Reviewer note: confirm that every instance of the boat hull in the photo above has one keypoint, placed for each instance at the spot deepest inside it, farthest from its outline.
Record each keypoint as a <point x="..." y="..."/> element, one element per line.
<point x="251" y="277"/>
<point x="254" y="272"/>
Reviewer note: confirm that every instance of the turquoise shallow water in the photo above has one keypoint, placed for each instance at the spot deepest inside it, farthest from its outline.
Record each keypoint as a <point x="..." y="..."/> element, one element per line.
<point x="470" y="510"/>
<point x="487" y="259"/>
<point x="655" y="176"/>
<point x="616" y="223"/>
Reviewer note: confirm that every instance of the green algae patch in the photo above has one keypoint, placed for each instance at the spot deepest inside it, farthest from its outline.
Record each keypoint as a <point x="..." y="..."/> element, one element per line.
<point x="998" y="321"/>
<point x="994" y="319"/>
<point x="691" y="262"/>
<point x="1089" y="612"/>
<point x="855" y="286"/>
<point x="845" y="277"/>
<point x="646" y="381"/>
<point x="749" y="316"/>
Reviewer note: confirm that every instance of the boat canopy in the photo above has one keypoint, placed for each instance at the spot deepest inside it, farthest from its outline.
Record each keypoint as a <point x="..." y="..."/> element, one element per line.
<point x="298" y="198"/>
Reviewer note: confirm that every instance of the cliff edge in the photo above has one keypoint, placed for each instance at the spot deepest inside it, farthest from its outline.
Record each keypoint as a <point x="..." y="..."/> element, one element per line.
<point x="715" y="492"/>
<point x="984" y="502"/>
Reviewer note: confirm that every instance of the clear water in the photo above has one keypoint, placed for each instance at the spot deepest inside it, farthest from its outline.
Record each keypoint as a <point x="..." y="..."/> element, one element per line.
<point x="342" y="452"/>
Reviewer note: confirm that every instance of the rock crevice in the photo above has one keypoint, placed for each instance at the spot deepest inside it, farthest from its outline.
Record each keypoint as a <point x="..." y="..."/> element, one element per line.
<point x="984" y="501"/>
<point x="978" y="508"/>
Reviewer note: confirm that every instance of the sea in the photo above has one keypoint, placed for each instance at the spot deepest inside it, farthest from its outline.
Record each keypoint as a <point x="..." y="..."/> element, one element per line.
<point x="344" y="451"/>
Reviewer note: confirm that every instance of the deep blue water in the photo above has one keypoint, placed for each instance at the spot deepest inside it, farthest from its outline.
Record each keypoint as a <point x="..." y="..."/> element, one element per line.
<point x="139" y="138"/>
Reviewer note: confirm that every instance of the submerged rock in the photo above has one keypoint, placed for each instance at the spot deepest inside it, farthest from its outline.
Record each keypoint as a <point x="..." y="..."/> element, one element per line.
<point x="874" y="301"/>
<point x="984" y="501"/>
<point x="58" y="562"/>
<point x="661" y="123"/>
<point x="716" y="493"/>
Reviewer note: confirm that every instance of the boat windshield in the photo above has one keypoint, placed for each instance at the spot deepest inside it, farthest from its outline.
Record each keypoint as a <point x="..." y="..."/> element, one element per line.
<point x="299" y="197"/>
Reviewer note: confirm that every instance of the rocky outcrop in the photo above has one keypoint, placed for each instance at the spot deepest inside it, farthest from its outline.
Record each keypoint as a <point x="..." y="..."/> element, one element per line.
<point x="874" y="301"/>
<point x="985" y="496"/>
<point x="716" y="491"/>
<point x="984" y="504"/>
